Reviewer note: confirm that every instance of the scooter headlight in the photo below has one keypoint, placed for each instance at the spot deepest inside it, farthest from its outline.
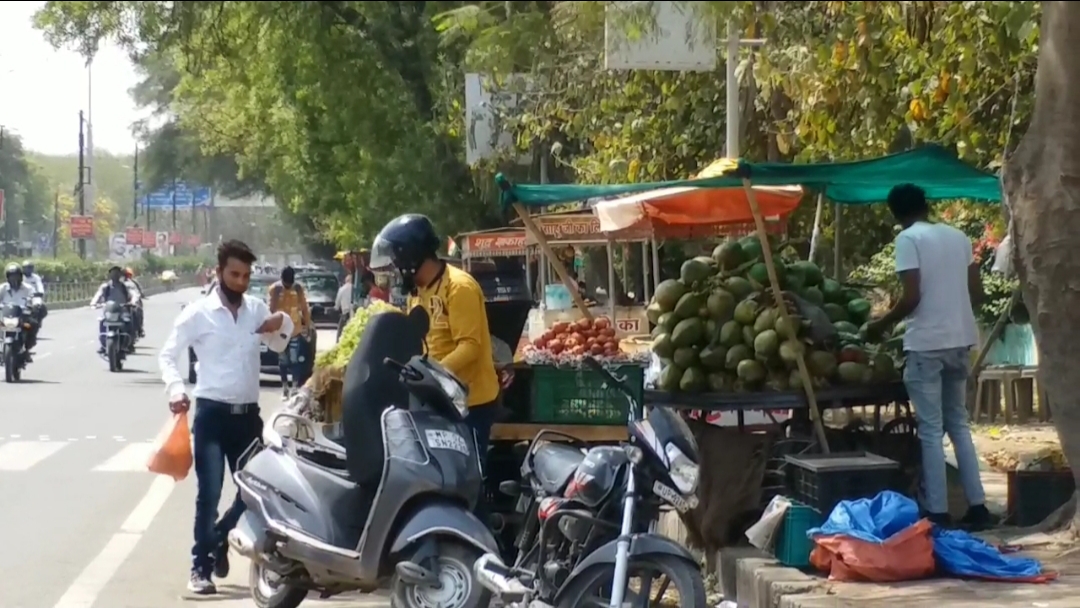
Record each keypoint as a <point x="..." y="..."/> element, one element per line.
<point x="683" y="471"/>
<point x="11" y="322"/>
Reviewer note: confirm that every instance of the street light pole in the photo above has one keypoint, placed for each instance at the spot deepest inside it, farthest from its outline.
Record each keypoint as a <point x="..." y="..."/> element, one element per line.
<point x="82" y="182"/>
<point x="733" y="119"/>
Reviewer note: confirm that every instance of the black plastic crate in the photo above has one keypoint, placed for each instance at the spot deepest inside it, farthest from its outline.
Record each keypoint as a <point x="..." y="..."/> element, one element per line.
<point x="1034" y="495"/>
<point x="822" y="480"/>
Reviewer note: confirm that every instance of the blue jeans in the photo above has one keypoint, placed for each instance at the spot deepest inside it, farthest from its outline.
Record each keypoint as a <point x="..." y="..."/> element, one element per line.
<point x="936" y="382"/>
<point x="220" y="438"/>
<point x="480" y="419"/>
<point x="295" y="362"/>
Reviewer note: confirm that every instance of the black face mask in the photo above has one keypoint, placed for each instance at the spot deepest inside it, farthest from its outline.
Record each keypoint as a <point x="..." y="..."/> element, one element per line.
<point x="231" y="295"/>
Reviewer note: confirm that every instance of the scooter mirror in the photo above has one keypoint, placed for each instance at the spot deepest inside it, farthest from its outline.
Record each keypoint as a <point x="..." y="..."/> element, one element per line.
<point x="420" y="320"/>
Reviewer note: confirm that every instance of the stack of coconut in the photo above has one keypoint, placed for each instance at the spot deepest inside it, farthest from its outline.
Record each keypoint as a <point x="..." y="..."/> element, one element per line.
<point x="718" y="329"/>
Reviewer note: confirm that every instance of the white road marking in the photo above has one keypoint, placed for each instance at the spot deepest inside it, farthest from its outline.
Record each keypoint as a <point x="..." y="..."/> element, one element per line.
<point x="97" y="574"/>
<point x="21" y="455"/>
<point x="130" y="459"/>
<point x="41" y="356"/>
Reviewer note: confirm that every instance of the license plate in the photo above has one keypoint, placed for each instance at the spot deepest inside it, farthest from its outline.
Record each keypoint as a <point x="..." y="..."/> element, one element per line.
<point x="446" y="440"/>
<point x="680" y="502"/>
<point x="263" y="348"/>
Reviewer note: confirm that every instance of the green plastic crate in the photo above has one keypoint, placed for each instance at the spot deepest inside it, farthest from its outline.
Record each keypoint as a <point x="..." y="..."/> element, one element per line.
<point x="563" y="395"/>
<point x="792" y="545"/>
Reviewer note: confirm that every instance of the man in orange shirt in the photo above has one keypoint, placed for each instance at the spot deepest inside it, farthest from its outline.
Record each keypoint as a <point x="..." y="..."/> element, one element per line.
<point x="288" y="296"/>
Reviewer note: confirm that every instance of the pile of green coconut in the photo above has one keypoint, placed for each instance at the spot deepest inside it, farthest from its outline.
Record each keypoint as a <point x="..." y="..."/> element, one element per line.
<point x="718" y="329"/>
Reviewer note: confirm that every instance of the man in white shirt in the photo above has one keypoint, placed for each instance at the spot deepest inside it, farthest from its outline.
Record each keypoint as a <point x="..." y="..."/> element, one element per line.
<point x="224" y="329"/>
<point x="344" y="303"/>
<point x="15" y="292"/>
<point x="940" y="280"/>
<point x="32" y="279"/>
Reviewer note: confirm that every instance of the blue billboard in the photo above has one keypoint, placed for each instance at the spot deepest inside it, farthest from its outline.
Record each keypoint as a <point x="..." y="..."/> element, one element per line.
<point x="186" y="197"/>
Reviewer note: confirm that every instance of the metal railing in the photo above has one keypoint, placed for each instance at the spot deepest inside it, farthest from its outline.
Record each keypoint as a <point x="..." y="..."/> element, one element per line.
<point x="80" y="292"/>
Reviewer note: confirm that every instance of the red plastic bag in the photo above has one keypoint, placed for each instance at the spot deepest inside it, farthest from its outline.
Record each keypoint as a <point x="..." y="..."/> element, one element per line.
<point x="172" y="450"/>
<point x="905" y="556"/>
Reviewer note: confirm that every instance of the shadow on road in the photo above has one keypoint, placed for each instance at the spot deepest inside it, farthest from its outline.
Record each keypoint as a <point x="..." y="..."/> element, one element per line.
<point x="33" y="381"/>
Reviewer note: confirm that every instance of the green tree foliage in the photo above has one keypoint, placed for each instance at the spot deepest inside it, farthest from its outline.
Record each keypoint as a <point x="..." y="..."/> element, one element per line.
<point x="335" y="106"/>
<point x="835" y="81"/>
<point x="27" y="195"/>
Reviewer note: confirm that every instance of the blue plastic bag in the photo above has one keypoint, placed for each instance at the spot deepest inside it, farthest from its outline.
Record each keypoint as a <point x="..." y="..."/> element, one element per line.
<point x="873" y="520"/>
<point x="960" y="554"/>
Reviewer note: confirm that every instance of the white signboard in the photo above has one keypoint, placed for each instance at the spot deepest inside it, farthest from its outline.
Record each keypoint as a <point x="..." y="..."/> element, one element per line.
<point x="254" y="200"/>
<point x="674" y="37"/>
<point x="487" y="107"/>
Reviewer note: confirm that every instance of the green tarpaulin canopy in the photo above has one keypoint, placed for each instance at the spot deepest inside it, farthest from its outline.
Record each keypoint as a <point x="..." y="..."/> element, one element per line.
<point x="934" y="169"/>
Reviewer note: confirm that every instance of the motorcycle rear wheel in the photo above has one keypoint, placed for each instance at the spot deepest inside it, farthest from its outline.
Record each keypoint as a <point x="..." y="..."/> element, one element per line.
<point x="458" y="587"/>
<point x="593" y="586"/>
<point x="266" y="593"/>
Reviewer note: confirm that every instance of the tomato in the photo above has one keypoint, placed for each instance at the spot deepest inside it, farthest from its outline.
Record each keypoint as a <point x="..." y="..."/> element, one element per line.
<point x="603" y="323"/>
<point x="541" y="342"/>
<point x="560" y="328"/>
<point x="556" y="346"/>
<point x="611" y="345"/>
<point x="607" y="332"/>
<point x="548" y="336"/>
<point x="584" y="324"/>
<point x="590" y="341"/>
<point x="577" y="351"/>
<point x="577" y="336"/>
<point x="596" y="349"/>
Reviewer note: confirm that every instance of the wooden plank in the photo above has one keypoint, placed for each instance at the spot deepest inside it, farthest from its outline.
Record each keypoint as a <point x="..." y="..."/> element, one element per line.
<point x="525" y="432"/>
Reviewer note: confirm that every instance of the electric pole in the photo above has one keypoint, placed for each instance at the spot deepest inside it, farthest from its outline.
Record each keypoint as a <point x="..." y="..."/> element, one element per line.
<point x="135" y="187"/>
<point x="82" y="182"/>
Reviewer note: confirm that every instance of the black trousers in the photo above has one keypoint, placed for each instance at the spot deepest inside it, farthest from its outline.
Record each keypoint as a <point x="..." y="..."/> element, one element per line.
<point x="220" y="437"/>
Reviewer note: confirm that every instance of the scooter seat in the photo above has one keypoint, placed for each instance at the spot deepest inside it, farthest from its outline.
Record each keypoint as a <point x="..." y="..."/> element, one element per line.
<point x="554" y="464"/>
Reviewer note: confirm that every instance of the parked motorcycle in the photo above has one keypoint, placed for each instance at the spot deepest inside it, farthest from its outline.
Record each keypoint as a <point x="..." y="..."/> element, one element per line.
<point x="14" y="349"/>
<point x="117" y="324"/>
<point x="384" y="498"/>
<point x="589" y="516"/>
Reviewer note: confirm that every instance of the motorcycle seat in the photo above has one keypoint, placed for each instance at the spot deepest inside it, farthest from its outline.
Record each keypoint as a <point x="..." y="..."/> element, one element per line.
<point x="554" y="464"/>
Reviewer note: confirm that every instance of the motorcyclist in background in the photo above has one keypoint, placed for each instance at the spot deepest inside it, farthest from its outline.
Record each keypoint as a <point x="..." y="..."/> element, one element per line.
<point x="114" y="290"/>
<point x="36" y="284"/>
<point x="458" y="337"/>
<point x="135" y="288"/>
<point x="31" y="279"/>
<point x="15" y="292"/>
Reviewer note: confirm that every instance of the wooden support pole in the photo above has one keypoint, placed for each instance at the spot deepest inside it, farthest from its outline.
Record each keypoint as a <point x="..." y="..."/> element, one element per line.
<point x="778" y="297"/>
<point x="555" y="262"/>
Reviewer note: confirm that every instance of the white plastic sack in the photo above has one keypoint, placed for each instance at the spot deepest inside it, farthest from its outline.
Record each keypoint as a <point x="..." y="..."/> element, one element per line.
<point x="1003" y="262"/>
<point x="762" y="533"/>
<point x="652" y="372"/>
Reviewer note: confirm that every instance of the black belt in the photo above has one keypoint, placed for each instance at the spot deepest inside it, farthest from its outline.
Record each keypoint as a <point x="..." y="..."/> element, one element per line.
<point x="231" y="408"/>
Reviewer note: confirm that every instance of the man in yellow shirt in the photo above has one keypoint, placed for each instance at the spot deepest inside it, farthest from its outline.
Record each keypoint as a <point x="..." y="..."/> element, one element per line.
<point x="288" y="296"/>
<point x="459" y="337"/>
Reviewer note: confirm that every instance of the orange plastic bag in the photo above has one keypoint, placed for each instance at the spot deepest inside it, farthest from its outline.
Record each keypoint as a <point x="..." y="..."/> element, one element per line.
<point x="906" y="556"/>
<point x="172" y="450"/>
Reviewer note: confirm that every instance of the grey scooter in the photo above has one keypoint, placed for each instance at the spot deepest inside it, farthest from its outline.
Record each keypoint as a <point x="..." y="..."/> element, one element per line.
<point x="320" y="518"/>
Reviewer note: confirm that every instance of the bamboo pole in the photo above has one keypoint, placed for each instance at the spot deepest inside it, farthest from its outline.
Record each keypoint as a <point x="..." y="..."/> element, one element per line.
<point x="778" y="297"/>
<point x="555" y="262"/>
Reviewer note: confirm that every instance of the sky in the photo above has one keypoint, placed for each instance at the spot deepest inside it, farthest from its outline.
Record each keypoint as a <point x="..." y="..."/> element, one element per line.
<point x="42" y="89"/>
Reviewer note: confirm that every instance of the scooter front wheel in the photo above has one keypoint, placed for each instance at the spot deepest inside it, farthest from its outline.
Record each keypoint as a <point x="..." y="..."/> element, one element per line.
<point x="268" y="592"/>
<point x="457" y="587"/>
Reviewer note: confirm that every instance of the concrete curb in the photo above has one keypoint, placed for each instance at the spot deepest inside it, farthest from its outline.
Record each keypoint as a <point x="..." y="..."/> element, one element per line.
<point x="755" y="580"/>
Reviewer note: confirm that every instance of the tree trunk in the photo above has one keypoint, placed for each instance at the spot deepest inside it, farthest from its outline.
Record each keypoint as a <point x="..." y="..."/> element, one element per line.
<point x="1042" y="192"/>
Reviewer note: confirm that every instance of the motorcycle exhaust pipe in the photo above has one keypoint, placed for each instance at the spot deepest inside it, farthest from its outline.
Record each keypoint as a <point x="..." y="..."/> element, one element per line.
<point x="241" y="543"/>
<point x="494" y="576"/>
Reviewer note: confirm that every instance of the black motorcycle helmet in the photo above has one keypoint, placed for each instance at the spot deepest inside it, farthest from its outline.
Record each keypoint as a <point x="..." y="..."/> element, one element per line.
<point x="14" y="274"/>
<point x="405" y="244"/>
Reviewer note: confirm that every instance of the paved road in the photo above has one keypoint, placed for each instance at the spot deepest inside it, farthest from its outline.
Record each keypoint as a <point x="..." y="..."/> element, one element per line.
<point x="82" y="522"/>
